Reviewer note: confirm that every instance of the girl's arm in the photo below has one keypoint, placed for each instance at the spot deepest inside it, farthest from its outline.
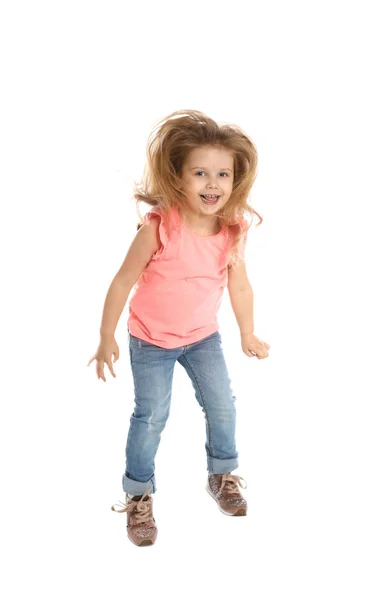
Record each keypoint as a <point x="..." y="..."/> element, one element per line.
<point x="241" y="297"/>
<point x="142" y="248"/>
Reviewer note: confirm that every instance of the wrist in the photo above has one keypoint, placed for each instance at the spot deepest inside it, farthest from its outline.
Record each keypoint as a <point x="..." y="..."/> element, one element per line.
<point x="107" y="334"/>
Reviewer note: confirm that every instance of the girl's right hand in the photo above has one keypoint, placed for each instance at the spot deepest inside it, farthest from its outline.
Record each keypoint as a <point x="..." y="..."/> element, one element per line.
<point x="107" y="347"/>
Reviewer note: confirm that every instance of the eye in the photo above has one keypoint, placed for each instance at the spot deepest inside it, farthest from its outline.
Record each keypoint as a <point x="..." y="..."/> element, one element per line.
<point x="199" y="173"/>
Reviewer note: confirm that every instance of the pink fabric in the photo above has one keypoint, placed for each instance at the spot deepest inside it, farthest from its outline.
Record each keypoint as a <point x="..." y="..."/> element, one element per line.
<point x="177" y="297"/>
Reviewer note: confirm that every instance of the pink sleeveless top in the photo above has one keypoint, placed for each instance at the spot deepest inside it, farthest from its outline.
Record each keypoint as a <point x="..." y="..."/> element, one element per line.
<point x="177" y="297"/>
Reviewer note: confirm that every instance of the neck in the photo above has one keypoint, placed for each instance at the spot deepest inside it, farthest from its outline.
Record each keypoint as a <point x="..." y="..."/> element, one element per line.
<point x="198" y="221"/>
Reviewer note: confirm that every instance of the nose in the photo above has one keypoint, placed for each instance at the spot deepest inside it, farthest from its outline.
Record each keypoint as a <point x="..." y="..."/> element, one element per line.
<point x="211" y="183"/>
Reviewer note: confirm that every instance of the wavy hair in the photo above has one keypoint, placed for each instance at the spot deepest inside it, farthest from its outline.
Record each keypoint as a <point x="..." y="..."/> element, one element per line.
<point x="169" y="144"/>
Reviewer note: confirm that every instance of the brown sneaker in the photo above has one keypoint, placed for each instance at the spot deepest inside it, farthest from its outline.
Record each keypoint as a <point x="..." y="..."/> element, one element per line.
<point x="224" y="489"/>
<point x="141" y="526"/>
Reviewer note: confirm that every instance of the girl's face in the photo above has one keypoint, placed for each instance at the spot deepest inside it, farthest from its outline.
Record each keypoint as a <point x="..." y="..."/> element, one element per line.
<point x="208" y="171"/>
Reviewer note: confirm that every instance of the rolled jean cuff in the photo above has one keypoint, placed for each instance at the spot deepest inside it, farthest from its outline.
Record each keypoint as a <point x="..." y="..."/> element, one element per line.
<point x="138" y="488"/>
<point x="218" y="465"/>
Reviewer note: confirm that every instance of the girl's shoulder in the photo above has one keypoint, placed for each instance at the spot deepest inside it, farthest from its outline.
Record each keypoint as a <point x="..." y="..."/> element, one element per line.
<point x="163" y="223"/>
<point x="240" y="225"/>
<point x="168" y="218"/>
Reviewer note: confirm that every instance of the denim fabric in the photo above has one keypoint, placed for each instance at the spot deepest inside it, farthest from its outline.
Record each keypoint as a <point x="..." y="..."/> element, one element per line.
<point x="152" y="369"/>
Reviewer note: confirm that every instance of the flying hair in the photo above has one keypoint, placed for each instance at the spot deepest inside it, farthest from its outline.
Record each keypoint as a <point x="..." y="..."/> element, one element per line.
<point x="169" y="144"/>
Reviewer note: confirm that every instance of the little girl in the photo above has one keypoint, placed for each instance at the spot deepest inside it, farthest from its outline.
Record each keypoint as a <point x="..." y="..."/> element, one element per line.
<point x="187" y="249"/>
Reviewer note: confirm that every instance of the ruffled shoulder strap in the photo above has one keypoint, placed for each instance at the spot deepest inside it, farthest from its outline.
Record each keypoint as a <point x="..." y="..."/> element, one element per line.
<point x="166" y="226"/>
<point x="242" y="225"/>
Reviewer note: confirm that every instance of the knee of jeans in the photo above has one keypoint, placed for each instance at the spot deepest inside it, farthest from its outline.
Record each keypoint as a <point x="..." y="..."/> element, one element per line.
<point x="154" y="415"/>
<point x="156" y="422"/>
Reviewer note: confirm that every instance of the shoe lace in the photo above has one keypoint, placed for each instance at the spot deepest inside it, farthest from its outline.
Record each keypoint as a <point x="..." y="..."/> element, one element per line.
<point x="230" y="482"/>
<point x="142" y="508"/>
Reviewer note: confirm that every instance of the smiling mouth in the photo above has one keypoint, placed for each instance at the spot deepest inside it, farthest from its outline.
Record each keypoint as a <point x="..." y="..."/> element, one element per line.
<point x="211" y="199"/>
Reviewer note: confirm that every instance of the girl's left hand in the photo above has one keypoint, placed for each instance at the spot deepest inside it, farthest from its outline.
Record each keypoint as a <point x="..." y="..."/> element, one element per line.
<point x="253" y="346"/>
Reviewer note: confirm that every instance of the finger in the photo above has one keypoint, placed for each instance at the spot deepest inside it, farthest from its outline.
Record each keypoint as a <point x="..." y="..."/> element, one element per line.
<point x="92" y="359"/>
<point x="111" y="368"/>
<point x="116" y="355"/>
<point x="100" y="369"/>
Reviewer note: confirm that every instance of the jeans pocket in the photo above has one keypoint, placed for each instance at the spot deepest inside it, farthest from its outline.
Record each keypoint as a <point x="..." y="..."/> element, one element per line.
<point x="215" y="336"/>
<point x="137" y="342"/>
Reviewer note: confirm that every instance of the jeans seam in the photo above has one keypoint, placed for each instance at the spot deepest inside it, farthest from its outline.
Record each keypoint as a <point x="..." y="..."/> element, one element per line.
<point x="204" y="405"/>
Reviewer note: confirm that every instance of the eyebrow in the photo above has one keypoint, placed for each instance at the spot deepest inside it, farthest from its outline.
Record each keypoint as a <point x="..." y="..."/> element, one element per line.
<point x="204" y="169"/>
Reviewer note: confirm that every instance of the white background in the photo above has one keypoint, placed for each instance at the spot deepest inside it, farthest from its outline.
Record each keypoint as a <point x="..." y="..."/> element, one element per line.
<point x="83" y="84"/>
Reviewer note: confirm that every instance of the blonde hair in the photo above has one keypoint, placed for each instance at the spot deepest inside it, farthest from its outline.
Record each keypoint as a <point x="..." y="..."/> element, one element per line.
<point x="169" y="144"/>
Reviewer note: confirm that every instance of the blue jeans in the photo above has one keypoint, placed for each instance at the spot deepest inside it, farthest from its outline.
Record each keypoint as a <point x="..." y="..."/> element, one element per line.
<point x="152" y="368"/>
